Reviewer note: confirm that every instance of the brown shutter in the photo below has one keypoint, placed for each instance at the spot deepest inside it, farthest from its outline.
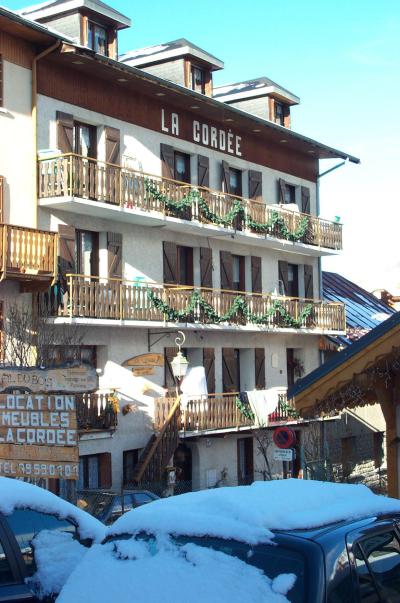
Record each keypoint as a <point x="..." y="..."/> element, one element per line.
<point x="114" y="249"/>
<point x="1" y="82"/>
<point x="229" y="377"/>
<point x="226" y="270"/>
<point x="209" y="368"/>
<point x="203" y="171"/>
<point x="65" y="132"/>
<point x="66" y="249"/>
<point x="283" y="276"/>
<point x="281" y="190"/>
<point x="113" y="146"/>
<point x="167" y="161"/>
<point x="286" y="116"/>
<point x="225" y="177"/>
<point x="206" y="267"/>
<point x="259" y="365"/>
<point x="256" y="282"/>
<point x="308" y="282"/>
<point x="105" y="475"/>
<point x="169" y="379"/>
<point x="305" y="200"/>
<point x="170" y="262"/>
<point x="255" y="185"/>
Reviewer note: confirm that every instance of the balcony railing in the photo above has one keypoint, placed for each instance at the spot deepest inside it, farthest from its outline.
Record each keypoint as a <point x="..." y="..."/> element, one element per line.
<point x="219" y="411"/>
<point x="94" y="412"/>
<point x="71" y="175"/>
<point x="27" y="253"/>
<point x="96" y="297"/>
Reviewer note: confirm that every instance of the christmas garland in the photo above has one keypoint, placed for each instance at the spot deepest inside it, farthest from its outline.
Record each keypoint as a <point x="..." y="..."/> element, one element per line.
<point x="239" y="307"/>
<point x="244" y="409"/>
<point x="194" y="196"/>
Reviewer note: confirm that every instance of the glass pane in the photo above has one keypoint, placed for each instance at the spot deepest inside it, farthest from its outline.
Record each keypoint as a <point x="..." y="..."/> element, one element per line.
<point x="84" y="140"/>
<point x="233" y="180"/>
<point x="141" y="498"/>
<point x="26" y="524"/>
<point x="93" y="472"/>
<point x="100" y="42"/>
<point x="180" y="166"/>
<point x="383" y="554"/>
<point x="6" y="576"/>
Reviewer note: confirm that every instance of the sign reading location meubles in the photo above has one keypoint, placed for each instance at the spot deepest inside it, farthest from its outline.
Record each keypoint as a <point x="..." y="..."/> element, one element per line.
<point x="38" y="436"/>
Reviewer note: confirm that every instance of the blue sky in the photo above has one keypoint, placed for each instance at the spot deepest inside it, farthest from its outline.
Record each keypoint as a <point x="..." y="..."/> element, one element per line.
<point x="343" y="59"/>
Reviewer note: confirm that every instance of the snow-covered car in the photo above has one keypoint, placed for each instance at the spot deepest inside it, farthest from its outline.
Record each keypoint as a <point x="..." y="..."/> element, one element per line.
<point x="279" y="541"/>
<point x="42" y="538"/>
<point x="109" y="506"/>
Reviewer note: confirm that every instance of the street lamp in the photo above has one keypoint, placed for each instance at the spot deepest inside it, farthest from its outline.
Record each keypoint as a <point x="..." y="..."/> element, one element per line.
<point x="179" y="364"/>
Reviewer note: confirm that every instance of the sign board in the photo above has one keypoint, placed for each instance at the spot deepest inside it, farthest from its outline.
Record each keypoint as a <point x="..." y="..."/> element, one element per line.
<point x="146" y="360"/>
<point x="62" y="379"/>
<point x="284" y="437"/>
<point x="38" y="436"/>
<point x="143" y="371"/>
<point x="283" y="454"/>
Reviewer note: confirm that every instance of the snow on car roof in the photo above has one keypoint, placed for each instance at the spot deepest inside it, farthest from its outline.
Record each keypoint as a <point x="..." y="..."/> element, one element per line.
<point x="16" y="494"/>
<point x="249" y="513"/>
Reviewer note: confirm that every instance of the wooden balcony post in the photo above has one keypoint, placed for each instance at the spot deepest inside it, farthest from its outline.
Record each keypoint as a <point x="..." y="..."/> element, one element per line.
<point x="121" y="301"/>
<point x="4" y="251"/>
<point x="71" y="295"/>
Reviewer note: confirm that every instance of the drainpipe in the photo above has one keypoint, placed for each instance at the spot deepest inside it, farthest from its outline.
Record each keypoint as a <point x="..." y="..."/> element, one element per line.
<point x="37" y="58"/>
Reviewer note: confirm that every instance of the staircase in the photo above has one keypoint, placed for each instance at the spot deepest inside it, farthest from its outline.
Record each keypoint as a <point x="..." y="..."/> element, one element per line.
<point x="159" y="450"/>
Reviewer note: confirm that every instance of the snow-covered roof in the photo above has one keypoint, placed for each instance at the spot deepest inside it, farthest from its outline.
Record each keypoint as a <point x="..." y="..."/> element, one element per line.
<point x="261" y="86"/>
<point x="53" y="8"/>
<point x="169" y="50"/>
<point x="16" y="494"/>
<point x="250" y="513"/>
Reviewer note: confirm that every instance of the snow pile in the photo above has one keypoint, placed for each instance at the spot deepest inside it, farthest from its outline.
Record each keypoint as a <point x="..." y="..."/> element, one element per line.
<point x="248" y="513"/>
<point x="15" y="494"/>
<point x="150" y="572"/>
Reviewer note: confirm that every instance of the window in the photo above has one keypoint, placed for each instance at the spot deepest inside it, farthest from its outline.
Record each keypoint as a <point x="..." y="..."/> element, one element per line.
<point x="87" y="252"/>
<point x="129" y="461"/>
<point x="198" y="79"/>
<point x="238" y="278"/>
<point x="290" y="193"/>
<point x="6" y="575"/>
<point x="89" y="472"/>
<point x="378" y="567"/>
<point x="185" y="265"/>
<point x="245" y="461"/>
<point x="97" y="38"/>
<point x="182" y="167"/>
<point x="279" y="114"/>
<point x="293" y="281"/>
<point x="235" y="182"/>
<point x="85" y="140"/>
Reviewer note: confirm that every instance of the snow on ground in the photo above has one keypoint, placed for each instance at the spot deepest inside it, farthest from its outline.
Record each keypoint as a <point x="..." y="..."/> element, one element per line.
<point x="150" y="572"/>
<point x="248" y="513"/>
<point x="16" y="494"/>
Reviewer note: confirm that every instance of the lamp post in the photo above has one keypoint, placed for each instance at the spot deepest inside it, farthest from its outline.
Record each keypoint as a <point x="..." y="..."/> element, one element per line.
<point x="179" y="364"/>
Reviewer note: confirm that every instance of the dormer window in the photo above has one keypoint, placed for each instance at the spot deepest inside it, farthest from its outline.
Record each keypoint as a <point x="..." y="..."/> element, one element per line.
<point x="198" y="80"/>
<point x="279" y="114"/>
<point x="97" y="38"/>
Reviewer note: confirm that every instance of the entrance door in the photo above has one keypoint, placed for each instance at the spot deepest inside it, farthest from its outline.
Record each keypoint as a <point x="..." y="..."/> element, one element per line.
<point x="245" y="461"/>
<point x="87" y="253"/>
<point x="230" y="370"/>
<point x="183" y="469"/>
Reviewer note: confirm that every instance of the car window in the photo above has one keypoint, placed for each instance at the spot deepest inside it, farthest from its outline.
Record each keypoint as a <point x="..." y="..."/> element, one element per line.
<point x="6" y="575"/>
<point x="27" y="524"/>
<point x="378" y="567"/>
<point x="142" y="498"/>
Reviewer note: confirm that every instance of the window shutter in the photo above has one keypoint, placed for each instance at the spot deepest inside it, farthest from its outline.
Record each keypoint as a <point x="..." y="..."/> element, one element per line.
<point x="283" y="276"/>
<point x="66" y="249"/>
<point x="105" y="475"/>
<point x="65" y="132"/>
<point x="203" y="171"/>
<point x="255" y="185"/>
<point x="226" y="270"/>
<point x="169" y="379"/>
<point x="209" y="368"/>
<point x="281" y="190"/>
<point x="167" y="161"/>
<point x="113" y="146"/>
<point x="305" y="200"/>
<point x="225" y="177"/>
<point x="1" y="82"/>
<point x="256" y="282"/>
<point x="114" y="250"/>
<point x="286" y="116"/>
<point x="308" y="282"/>
<point x="170" y="263"/>
<point x="229" y="377"/>
<point x="259" y="365"/>
<point x="206" y="267"/>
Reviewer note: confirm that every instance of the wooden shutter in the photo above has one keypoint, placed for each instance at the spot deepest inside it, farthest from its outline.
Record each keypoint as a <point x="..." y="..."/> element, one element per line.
<point x="1" y="82"/>
<point x="229" y="377"/>
<point x="170" y="262"/>
<point x="105" y="473"/>
<point x="65" y="132"/>
<point x="209" y="368"/>
<point x="114" y="250"/>
<point x="283" y="276"/>
<point x="167" y="161"/>
<point x="169" y="379"/>
<point x="255" y="185"/>
<point x="256" y="282"/>
<point x="226" y="270"/>
<point x="203" y="171"/>
<point x="206" y="267"/>
<point x="305" y="200"/>
<point x="308" y="282"/>
<point x="113" y="146"/>
<point x="225" y="177"/>
<point x="259" y="365"/>
<point x="281" y="190"/>
<point x="66" y="249"/>
<point x="286" y="116"/>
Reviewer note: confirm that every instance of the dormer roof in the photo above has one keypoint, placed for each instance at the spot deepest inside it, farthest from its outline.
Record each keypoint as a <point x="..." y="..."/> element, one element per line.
<point x="254" y="88"/>
<point x="53" y="8"/>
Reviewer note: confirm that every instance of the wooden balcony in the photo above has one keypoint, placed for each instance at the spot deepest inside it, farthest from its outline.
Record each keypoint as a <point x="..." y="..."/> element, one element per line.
<point x="97" y="298"/>
<point x="73" y="176"/>
<point x="94" y="412"/>
<point x="218" y="411"/>
<point x="27" y="254"/>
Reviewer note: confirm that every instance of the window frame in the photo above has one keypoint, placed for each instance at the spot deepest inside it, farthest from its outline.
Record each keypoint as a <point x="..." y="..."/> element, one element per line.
<point x="279" y="115"/>
<point x="239" y="174"/>
<point x="201" y="88"/>
<point x="93" y="25"/>
<point x="186" y="159"/>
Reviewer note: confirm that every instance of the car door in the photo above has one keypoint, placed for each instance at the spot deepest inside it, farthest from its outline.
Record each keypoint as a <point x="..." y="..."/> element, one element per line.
<point x="12" y="586"/>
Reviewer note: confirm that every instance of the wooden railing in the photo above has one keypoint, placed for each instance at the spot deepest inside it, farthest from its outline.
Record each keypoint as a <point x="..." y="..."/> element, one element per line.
<point x="94" y="413"/>
<point x="72" y="175"/>
<point x="1" y="197"/>
<point x="95" y="297"/>
<point x="27" y="252"/>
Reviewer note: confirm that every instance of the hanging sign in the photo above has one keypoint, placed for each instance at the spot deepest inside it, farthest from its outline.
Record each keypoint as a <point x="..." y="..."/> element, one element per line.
<point x="145" y="360"/>
<point x="61" y="379"/>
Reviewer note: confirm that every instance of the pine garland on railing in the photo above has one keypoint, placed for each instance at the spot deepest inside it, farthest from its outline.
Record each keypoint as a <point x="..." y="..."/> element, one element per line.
<point x="245" y="409"/>
<point x="239" y="307"/>
<point x="237" y="211"/>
